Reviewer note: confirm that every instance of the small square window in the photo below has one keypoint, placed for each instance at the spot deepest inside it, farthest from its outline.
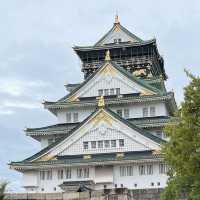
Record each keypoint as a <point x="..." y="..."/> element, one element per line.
<point x="119" y="40"/>
<point x="149" y="169"/>
<point x="152" y="184"/>
<point x="145" y="112"/>
<point x="68" y="117"/>
<point x="113" y="143"/>
<point x="112" y="91"/>
<point x="121" y="142"/>
<point x="75" y="116"/>
<point x="100" y="92"/>
<point x="85" y="145"/>
<point x="119" y="112"/>
<point x="135" y="185"/>
<point x="117" y="91"/>
<point x="93" y="144"/>
<point x="158" y="183"/>
<point x="142" y="170"/>
<point x="100" y="144"/>
<point x="106" y="92"/>
<point x="60" y="174"/>
<point x="68" y="173"/>
<point x="106" y="143"/>
<point x="126" y="113"/>
<point x="152" y="111"/>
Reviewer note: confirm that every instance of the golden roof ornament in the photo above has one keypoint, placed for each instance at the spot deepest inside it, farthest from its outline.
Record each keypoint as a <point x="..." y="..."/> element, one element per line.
<point x="116" y="19"/>
<point x="107" y="57"/>
<point x="101" y="102"/>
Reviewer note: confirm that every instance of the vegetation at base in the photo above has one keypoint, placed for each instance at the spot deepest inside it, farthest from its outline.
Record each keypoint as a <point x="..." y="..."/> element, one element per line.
<point x="182" y="152"/>
<point x="3" y="186"/>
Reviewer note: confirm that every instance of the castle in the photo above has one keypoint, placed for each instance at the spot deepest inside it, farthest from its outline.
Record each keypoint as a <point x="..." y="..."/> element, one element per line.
<point x="110" y="126"/>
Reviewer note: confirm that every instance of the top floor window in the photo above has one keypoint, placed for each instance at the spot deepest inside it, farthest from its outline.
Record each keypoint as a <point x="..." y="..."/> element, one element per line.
<point x="152" y="111"/>
<point x="142" y="170"/>
<point x="117" y="40"/>
<point x="126" y="113"/>
<point x="119" y="112"/>
<point x="117" y="91"/>
<point x="121" y="142"/>
<point x="75" y="116"/>
<point x="100" y="92"/>
<point x="145" y="112"/>
<point x="60" y="174"/>
<point x="68" y="117"/>
<point x="163" y="168"/>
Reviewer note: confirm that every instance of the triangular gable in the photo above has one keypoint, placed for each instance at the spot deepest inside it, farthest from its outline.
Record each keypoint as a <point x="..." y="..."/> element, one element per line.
<point x="118" y="32"/>
<point x="144" y="140"/>
<point x="108" y="76"/>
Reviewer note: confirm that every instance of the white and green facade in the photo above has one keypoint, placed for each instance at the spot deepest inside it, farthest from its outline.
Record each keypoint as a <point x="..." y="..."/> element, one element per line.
<point x="113" y="145"/>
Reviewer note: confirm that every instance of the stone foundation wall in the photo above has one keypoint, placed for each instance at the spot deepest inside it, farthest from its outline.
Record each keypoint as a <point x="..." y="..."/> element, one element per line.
<point x="146" y="194"/>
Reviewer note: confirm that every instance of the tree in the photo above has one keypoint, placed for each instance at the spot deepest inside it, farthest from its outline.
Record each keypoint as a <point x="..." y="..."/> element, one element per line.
<point x="182" y="152"/>
<point x="3" y="186"/>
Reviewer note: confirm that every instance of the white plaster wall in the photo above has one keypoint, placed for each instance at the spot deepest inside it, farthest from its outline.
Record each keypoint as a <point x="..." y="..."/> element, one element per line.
<point x="135" y="111"/>
<point x="30" y="179"/>
<point x="142" y="181"/>
<point x="116" y="35"/>
<point x="108" y="175"/>
<point x="50" y="185"/>
<point x="82" y="114"/>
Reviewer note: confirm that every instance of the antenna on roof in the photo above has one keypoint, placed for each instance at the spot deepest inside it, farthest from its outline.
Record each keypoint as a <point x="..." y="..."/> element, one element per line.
<point x="116" y="18"/>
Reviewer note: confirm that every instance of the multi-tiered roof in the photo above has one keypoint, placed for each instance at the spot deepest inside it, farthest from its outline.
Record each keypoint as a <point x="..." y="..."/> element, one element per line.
<point x="139" y="67"/>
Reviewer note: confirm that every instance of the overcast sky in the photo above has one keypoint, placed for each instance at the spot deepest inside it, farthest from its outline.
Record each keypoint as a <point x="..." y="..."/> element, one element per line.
<point x="36" y="58"/>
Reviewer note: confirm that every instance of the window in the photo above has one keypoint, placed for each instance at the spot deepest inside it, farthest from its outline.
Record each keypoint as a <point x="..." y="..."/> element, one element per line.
<point x="106" y="92"/>
<point x="93" y="144"/>
<point x="49" y="175"/>
<point x="163" y="168"/>
<point x="79" y="172"/>
<point x="119" y="112"/>
<point x="68" y="117"/>
<point x="113" y="143"/>
<point x="141" y="169"/>
<point x="121" y="142"/>
<point x="107" y="143"/>
<point x="75" y="116"/>
<point x="152" y="111"/>
<point x="60" y="174"/>
<point x="145" y="112"/>
<point x="149" y="169"/>
<point x="152" y="184"/>
<point x="100" y="92"/>
<point x="115" y="40"/>
<point x="126" y="113"/>
<point x="50" y="141"/>
<point x="100" y="144"/>
<point x="42" y="175"/>
<point x="129" y="170"/>
<point x="122" y="171"/>
<point x="85" y="145"/>
<point x="83" y="172"/>
<point x="86" y="173"/>
<point x="68" y="173"/>
<point x="119" y="40"/>
<point x="117" y="91"/>
<point x="112" y="91"/>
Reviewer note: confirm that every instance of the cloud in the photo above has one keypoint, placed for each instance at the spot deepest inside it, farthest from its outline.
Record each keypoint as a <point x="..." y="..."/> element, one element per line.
<point x="20" y="87"/>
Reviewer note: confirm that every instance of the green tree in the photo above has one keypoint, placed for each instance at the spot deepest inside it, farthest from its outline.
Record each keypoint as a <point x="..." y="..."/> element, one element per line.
<point x="3" y="186"/>
<point x="182" y="152"/>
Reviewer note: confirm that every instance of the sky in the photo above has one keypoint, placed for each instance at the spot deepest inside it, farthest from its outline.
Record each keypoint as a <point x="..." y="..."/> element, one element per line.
<point x="36" y="56"/>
